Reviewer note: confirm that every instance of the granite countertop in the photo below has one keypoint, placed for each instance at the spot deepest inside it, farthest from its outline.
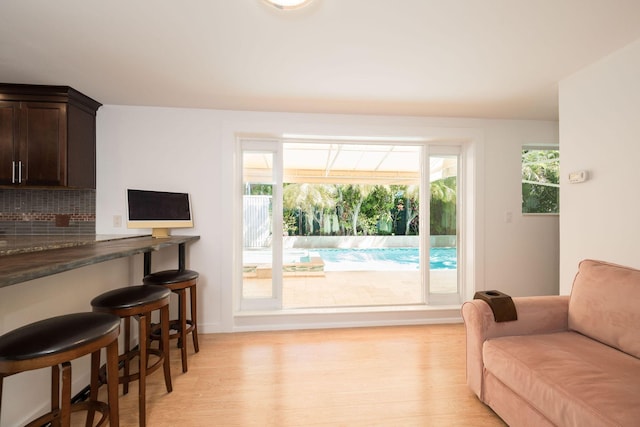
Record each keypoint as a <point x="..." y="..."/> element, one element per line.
<point x="30" y="257"/>
<point x="11" y="245"/>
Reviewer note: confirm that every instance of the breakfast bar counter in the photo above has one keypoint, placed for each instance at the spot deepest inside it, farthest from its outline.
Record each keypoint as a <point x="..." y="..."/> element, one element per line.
<point x="25" y="258"/>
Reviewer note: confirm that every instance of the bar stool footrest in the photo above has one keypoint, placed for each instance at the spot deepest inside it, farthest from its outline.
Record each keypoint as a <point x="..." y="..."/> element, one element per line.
<point x="174" y="330"/>
<point x="150" y="368"/>
<point x="101" y="407"/>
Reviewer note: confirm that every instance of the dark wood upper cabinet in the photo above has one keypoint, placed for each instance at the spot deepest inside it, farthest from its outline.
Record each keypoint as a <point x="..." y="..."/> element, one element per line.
<point x="47" y="136"/>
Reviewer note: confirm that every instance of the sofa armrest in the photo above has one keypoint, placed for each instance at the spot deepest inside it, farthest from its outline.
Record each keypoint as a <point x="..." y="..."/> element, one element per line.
<point x="536" y="315"/>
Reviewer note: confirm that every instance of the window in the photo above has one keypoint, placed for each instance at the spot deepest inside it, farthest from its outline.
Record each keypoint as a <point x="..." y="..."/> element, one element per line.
<point x="540" y="180"/>
<point x="330" y="224"/>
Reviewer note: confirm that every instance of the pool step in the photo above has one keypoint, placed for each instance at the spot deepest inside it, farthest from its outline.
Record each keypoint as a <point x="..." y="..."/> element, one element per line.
<point x="313" y="267"/>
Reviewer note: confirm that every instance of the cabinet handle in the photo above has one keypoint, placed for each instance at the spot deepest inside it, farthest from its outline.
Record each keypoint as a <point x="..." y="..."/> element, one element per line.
<point x="13" y="172"/>
<point x="20" y="172"/>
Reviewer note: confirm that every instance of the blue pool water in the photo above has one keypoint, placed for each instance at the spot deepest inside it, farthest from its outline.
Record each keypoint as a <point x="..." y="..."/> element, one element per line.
<point x="384" y="259"/>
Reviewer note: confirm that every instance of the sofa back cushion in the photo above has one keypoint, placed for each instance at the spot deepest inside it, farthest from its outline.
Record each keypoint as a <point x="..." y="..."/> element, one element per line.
<point x="605" y="305"/>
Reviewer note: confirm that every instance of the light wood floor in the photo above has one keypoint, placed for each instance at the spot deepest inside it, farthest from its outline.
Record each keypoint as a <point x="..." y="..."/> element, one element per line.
<point x="392" y="376"/>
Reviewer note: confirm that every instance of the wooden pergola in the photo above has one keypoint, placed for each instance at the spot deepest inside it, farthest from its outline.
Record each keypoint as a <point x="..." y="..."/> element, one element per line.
<point x="347" y="163"/>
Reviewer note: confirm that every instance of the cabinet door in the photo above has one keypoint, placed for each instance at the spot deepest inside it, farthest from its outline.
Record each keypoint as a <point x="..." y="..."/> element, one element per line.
<point x="43" y="143"/>
<point x="8" y="141"/>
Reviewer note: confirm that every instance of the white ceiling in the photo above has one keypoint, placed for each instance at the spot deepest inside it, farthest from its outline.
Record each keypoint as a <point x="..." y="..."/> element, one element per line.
<point x="461" y="58"/>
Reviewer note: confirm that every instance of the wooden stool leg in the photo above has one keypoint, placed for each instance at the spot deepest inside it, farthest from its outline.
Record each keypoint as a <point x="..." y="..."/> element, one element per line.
<point x="148" y="340"/>
<point x="55" y="395"/>
<point x="142" y="370"/>
<point x="127" y="349"/>
<point x="194" y="318"/>
<point x="65" y="416"/>
<point x="112" y="383"/>
<point x="93" y="386"/>
<point x="164" y="330"/>
<point x="182" y="317"/>
<point x="1" y="382"/>
<point x="180" y="293"/>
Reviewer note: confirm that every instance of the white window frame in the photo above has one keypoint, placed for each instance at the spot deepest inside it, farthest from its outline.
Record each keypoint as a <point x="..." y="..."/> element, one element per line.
<point x="275" y="146"/>
<point x="452" y="150"/>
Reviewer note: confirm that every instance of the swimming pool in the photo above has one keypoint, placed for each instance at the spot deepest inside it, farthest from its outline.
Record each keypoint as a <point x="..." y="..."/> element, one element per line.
<point x="384" y="259"/>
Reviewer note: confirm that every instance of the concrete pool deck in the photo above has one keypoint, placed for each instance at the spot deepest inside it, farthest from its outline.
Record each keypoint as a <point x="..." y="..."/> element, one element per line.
<point x="352" y="288"/>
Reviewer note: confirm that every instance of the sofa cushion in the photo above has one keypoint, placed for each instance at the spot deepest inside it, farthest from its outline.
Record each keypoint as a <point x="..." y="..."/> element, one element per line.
<point x="571" y="379"/>
<point x="604" y="305"/>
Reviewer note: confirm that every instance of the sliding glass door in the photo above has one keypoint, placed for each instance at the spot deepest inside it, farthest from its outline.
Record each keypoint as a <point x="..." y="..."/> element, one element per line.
<point x="338" y="224"/>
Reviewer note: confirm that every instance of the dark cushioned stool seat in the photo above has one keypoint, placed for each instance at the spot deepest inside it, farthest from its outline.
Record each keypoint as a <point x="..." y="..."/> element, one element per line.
<point x="169" y="277"/>
<point x="178" y="281"/>
<point x="139" y="302"/>
<point x="56" y="341"/>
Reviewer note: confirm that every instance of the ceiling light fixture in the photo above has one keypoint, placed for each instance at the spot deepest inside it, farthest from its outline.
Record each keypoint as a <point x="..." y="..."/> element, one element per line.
<point x="288" y="4"/>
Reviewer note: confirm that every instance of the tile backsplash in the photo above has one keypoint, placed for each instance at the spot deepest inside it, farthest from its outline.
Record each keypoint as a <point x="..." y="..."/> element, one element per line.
<point x="47" y="211"/>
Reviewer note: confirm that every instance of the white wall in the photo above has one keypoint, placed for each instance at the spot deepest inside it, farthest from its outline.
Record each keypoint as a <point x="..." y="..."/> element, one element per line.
<point x="600" y="133"/>
<point x="193" y="150"/>
<point x="522" y="256"/>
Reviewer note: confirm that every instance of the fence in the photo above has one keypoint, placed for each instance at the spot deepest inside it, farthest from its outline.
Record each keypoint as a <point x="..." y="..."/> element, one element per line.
<point x="256" y="221"/>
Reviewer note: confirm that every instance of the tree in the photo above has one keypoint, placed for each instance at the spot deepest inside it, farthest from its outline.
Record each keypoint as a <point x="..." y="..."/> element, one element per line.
<point x="352" y="197"/>
<point x="312" y="199"/>
<point x="364" y="208"/>
<point x="412" y="206"/>
<point x="376" y="209"/>
<point x="540" y="181"/>
<point x="258" y="189"/>
<point x="443" y="206"/>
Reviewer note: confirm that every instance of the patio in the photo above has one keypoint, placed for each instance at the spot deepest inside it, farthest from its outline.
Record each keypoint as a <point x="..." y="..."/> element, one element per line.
<point x="352" y="288"/>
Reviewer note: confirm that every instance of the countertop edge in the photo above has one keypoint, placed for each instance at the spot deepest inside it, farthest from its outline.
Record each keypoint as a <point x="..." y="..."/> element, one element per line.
<point x="24" y="267"/>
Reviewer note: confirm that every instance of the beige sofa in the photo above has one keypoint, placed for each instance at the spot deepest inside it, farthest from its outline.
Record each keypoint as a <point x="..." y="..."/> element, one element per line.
<point x="567" y="360"/>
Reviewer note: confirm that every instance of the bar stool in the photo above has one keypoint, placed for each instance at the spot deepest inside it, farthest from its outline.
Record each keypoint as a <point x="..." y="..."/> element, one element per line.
<point x="178" y="281"/>
<point x="139" y="302"/>
<point x="54" y="343"/>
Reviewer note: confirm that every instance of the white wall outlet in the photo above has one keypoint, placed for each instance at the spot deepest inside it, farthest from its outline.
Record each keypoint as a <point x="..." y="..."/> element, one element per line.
<point x="117" y="221"/>
<point x="508" y="216"/>
<point x="578" y="176"/>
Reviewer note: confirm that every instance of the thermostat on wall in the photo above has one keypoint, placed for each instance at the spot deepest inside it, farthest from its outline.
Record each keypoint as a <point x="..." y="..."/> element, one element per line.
<point x="580" y="176"/>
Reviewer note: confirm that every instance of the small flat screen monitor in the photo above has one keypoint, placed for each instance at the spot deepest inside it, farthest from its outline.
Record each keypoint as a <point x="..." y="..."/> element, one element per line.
<point x="158" y="210"/>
